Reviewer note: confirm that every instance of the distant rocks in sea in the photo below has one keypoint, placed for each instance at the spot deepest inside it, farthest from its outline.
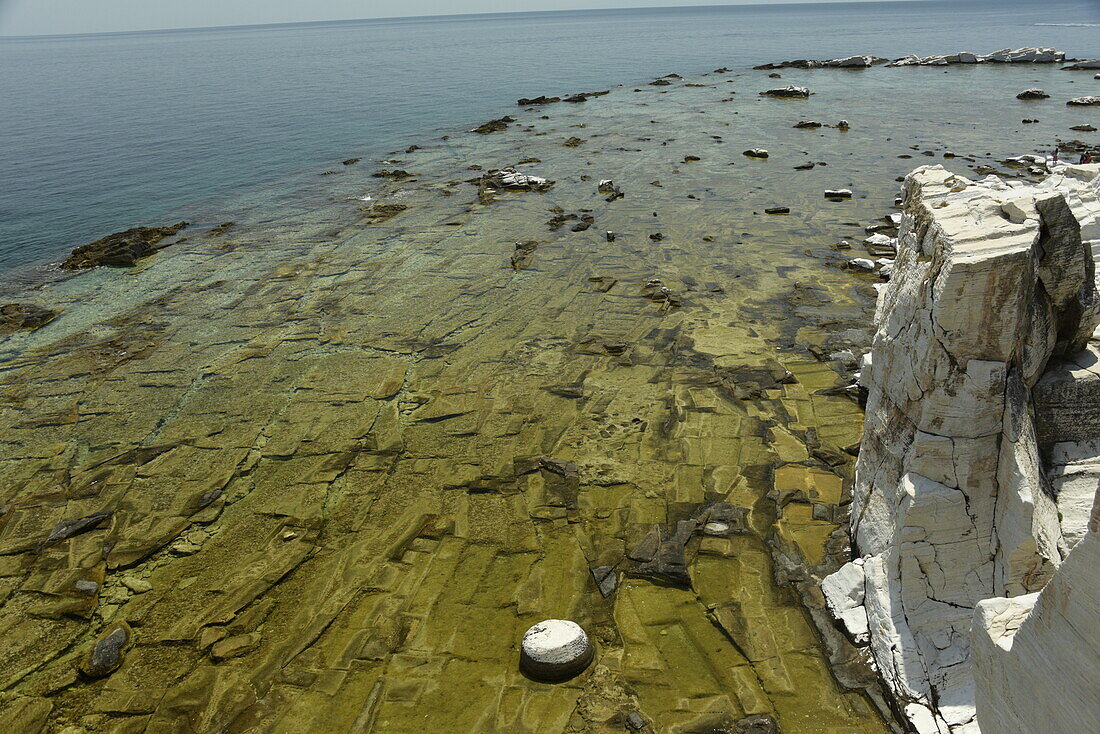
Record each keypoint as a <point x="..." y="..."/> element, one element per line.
<point x="1082" y="65"/>
<point x="122" y="249"/>
<point x="848" y="62"/>
<point x="789" y="91"/>
<point x="1084" y="101"/>
<point x="1032" y="55"/>
<point x="1004" y="56"/>
<point x="756" y="153"/>
<point x="572" y="98"/>
<point x="1033" y="93"/>
<point x="494" y="126"/>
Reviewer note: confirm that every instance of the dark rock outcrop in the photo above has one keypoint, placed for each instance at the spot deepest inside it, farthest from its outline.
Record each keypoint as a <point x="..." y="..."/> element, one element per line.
<point x="121" y="249"/>
<point x="15" y="316"/>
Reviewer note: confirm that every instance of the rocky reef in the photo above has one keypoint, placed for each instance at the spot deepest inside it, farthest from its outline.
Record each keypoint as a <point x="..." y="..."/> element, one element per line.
<point x="1032" y="55"/>
<point x="121" y="249"/>
<point x="980" y="458"/>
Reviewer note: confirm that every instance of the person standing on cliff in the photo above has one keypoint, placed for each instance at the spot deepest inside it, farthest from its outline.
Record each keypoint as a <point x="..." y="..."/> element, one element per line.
<point x="1054" y="158"/>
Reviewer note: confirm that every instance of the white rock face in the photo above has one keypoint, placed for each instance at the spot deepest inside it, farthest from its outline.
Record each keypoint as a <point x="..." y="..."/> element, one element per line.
<point x="1084" y="101"/>
<point x="975" y="376"/>
<point x="1004" y="56"/>
<point x="1036" y="656"/>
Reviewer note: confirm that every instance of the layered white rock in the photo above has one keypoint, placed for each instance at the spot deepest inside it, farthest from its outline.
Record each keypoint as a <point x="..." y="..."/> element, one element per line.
<point x="977" y="352"/>
<point x="1004" y="56"/>
<point x="1036" y="657"/>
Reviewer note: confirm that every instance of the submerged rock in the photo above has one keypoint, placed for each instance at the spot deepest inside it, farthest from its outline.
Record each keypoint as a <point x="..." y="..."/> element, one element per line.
<point x="524" y="254"/>
<point x="15" y="316"/>
<point x="755" y="153"/>
<point x="122" y="249"/>
<point x="69" y="528"/>
<point x="381" y="212"/>
<point x="108" y="652"/>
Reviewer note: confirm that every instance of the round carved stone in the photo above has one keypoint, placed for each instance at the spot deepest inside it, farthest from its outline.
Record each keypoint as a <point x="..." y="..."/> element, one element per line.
<point x="555" y="650"/>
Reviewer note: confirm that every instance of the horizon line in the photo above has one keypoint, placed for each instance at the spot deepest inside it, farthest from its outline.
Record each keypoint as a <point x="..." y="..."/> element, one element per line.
<point x="452" y="16"/>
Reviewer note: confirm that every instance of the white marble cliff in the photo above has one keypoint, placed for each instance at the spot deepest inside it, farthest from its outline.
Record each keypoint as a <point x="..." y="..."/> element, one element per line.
<point x="980" y="459"/>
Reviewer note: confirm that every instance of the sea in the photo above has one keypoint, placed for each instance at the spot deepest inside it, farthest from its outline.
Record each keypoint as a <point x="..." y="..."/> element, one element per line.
<point x="103" y="132"/>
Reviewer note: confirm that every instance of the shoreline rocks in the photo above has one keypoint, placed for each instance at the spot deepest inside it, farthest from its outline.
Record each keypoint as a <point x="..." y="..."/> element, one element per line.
<point x="981" y="370"/>
<point x="1031" y="55"/>
<point x="121" y="249"/>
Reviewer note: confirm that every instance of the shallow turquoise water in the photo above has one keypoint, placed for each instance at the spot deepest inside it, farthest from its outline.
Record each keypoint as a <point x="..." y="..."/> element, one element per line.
<point x="100" y="133"/>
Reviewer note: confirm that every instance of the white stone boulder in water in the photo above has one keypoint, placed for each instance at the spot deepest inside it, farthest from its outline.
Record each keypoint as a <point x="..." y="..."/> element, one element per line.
<point x="554" y="650"/>
<point x="510" y="178"/>
<point x="1084" y="101"/>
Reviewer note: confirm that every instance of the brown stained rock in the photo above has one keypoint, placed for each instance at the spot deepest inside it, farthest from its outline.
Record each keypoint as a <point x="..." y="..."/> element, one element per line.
<point x="122" y="249"/>
<point x="15" y="316"/>
<point x="108" y="652"/>
<point x="234" y="647"/>
<point x="573" y="142"/>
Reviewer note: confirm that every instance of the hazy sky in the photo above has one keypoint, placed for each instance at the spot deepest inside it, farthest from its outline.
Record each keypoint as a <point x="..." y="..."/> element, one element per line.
<point x="32" y="17"/>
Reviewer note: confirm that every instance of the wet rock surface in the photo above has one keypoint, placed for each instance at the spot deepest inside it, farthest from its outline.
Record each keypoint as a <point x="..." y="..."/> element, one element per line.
<point x="358" y="438"/>
<point x="122" y="249"/>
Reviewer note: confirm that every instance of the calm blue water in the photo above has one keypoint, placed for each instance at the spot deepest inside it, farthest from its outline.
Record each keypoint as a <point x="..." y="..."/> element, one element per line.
<point x="103" y="132"/>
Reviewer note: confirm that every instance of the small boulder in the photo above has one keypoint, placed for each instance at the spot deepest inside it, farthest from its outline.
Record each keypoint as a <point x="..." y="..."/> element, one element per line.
<point x="756" y="153"/>
<point x="108" y="652"/>
<point x="1084" y="101"/>
<point x="555" y="650"/>
<point x="1033" y="93"/>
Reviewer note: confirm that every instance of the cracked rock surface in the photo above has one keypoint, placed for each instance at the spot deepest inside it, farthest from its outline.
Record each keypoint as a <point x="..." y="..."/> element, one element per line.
<point x="982" y="420"/>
